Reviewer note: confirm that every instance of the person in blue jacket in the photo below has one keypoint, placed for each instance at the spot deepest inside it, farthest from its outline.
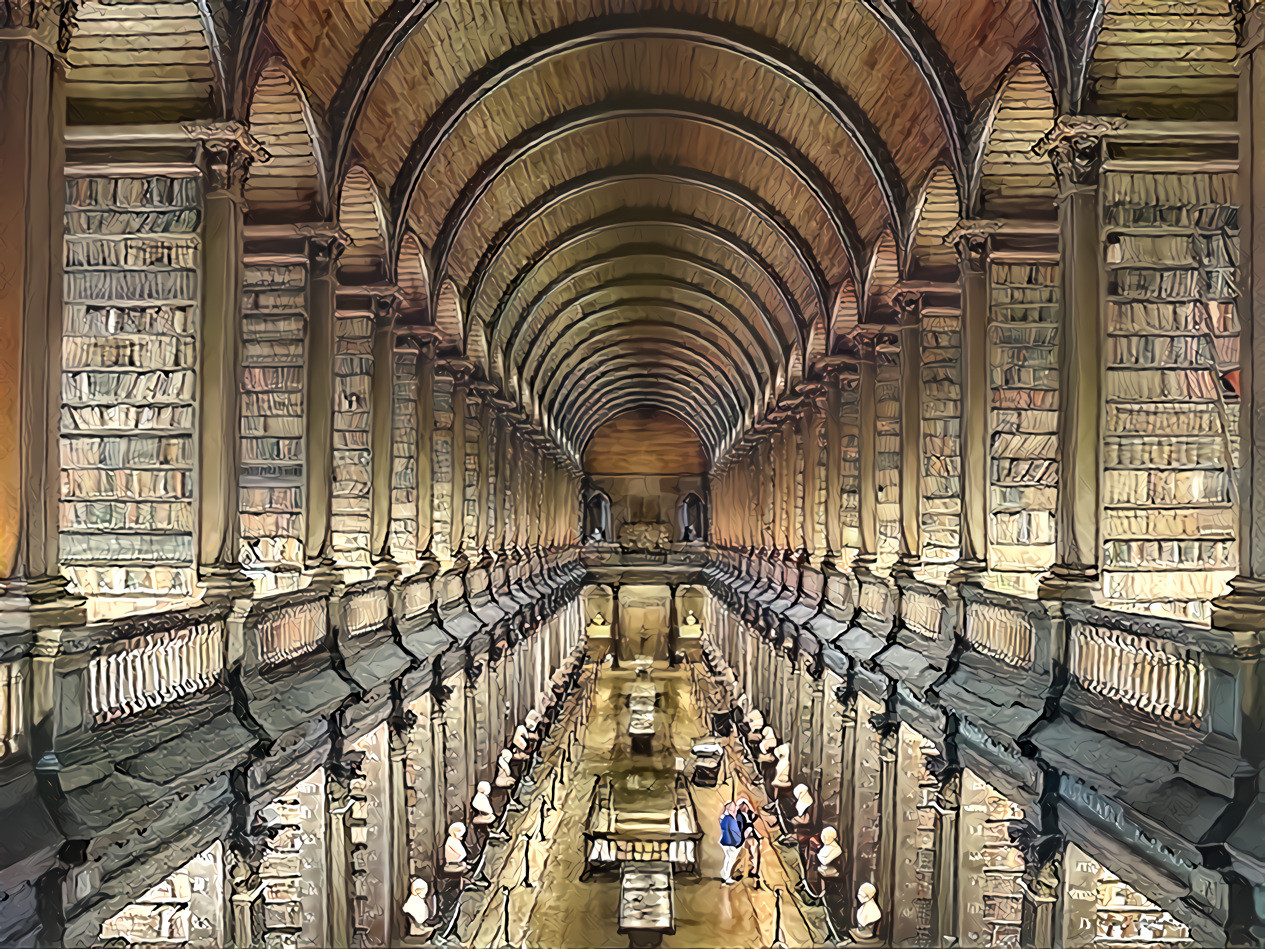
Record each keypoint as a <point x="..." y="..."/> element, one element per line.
<point x="730" y="840"/>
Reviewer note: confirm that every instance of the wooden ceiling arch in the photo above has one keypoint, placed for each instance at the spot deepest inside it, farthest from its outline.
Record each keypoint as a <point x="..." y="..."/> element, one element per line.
<point x="534" y="233"/>
<point x="665" y="238"/>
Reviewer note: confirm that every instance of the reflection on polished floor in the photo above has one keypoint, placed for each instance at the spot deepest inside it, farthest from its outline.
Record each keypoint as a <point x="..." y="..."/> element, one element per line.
<point x="561" y="911"/>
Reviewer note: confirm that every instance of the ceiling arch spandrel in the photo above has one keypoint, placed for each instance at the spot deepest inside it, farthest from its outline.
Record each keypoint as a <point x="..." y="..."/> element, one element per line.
<point x="718" y="85"/>
<point x="319" y="39"/>
<point x="982" y="38"/>
<point x="681" y="241"/>
<point x="607" y="199"/>
<point x="646" y="142"/>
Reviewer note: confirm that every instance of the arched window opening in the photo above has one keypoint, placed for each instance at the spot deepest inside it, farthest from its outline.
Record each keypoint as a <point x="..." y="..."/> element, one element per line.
<point x="597" y="518"/>
<point x="693" y="518"/>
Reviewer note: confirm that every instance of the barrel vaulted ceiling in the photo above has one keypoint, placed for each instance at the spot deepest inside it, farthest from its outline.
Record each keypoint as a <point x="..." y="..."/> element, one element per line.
<point x="654" y="204"/>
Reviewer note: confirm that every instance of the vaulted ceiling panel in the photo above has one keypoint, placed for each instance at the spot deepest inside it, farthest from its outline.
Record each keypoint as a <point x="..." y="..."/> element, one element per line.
<point x="981" y="39"/>
<point x="647" y="204"/>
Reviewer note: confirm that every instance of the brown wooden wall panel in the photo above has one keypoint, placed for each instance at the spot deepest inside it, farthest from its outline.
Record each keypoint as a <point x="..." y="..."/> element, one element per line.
<point x="644" y="443"/>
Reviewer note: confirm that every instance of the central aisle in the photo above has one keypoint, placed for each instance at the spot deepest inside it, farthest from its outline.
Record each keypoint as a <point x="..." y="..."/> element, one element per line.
<point x="561" y="912"/>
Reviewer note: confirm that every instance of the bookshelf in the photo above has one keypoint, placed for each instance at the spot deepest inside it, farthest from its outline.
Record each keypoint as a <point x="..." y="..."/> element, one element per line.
<point x="1003" y="870"/>
<point x="941" y="514"/>
<point x="925" y="844"/>
<point x="404" y="454"/>
<point x="292" y="868"/>
<point x="1170" y="427"/>
<point x="181" y="912"/>
<point x="274" y="326"/>
<point x="850" y="472"/>
<point x="132" y="250"/>
<point x="1126" y="919"/>
<point x="350" y="512"/>
<point x="887" y="458"/>
<point x="1023" y="359"/>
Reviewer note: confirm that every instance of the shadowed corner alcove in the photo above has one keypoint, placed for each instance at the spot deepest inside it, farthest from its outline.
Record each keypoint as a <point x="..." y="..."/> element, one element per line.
<point x="648" y="463"/>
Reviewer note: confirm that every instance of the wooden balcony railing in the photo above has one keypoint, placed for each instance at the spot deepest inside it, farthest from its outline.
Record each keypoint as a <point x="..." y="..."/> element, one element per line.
<point x="1162" y="678"/>
<point x="922" y="613"/>
<point x="147" y="671"/>
<point x="1000" y="633"/>
<point x="288" y="631"/>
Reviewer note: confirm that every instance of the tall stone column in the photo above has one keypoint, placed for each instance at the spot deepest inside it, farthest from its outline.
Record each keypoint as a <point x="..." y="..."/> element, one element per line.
<point x="32" y="206"/>
<point x="972" y="246"/>
<point x="381" y="418"/>
<point x="1243" y="609"/>
<point x="867" y="442"/>
<point x="228" y="149"/>
<point x="338" y="850"/>
<point x="910" y="432"/>
<point x="318" y="405"/>
<point x="397" y="828"/>
<point x="1075" y="147"/>
<point x="674" y="620"/>
<point x="616" y="634"/>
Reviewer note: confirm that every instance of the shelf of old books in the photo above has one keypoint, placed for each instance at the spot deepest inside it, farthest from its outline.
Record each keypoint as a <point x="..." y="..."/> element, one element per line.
<point x="1171" y="406"/>
<point x="941" y="467"/>
<point x="887" y="456"/>
<point x="850" y="472"/>
<point x="924" y="860"/>
<point x="292" y="869"/>
<point x="350" y="511"/>
<point x="184" y="911"/>
<point x="1126" y="918"/>
<point x="132" y="251"/>
<point x="994" y="863"/>
<point x="274" y="326"/>
<point x="1023" y="359"/>
<point x="404" y="454"/>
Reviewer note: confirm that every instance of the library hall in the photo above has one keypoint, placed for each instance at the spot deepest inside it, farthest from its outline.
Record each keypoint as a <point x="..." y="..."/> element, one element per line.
<point x="665" y="474"/>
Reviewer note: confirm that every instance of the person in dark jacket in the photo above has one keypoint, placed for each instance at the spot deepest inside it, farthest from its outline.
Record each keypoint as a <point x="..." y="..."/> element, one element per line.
<point x="730" y="840"/>
<point x="747" y="820"/>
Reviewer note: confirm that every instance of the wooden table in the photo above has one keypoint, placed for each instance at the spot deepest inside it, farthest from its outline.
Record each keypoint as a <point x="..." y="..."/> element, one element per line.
<point x="647" y="904"/>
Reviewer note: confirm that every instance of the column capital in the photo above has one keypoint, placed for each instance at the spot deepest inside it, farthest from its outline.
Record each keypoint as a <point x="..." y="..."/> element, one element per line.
<point x="909" y="304"/>
<point x="1074" y="147"/>
<point x="971" y="238"/>
<point x="230" y="149"/>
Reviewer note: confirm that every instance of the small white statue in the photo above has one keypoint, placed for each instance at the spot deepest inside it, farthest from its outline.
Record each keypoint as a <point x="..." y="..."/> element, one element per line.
<point x="803" y="800"/>
<point x="520" y="740"/>
<point x="532" y="721"/>
<point x="481" y="804"/>
<point x="830" y="850"/>
<point x="868" y="914"/>
<point x="768" y="744"/>
<point x="455" y="853"/>
<point x="504" y="776"/>
<point x="782" y="769"/>
<point x="417" y="906"/>
<point x="690" y="618"/>
<point x="755" y="721"/>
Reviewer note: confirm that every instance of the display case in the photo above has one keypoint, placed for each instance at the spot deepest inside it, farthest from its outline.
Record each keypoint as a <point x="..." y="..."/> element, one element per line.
<point x="1170" y="426"/>
<point x="404" y="507"/>
<point x="850" y="472"/>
